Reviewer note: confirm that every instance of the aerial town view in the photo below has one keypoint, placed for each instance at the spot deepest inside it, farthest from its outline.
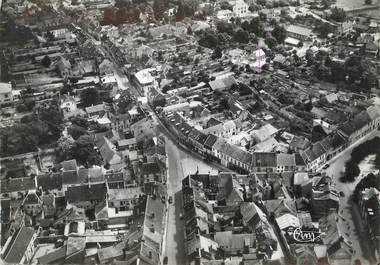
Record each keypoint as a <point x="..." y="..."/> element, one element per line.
<point x="190" y="132"/>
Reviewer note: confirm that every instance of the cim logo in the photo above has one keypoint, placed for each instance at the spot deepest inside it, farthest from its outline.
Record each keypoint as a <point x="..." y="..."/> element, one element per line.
<point x="297" y="235"/>
<point x="306" y="236"/>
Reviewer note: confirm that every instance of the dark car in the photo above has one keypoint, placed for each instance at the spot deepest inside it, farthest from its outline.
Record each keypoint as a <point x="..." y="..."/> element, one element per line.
<point x="165" y="261"/>
<point x="341" y="194"/>
<point x="170" y="199"/>
<point x="326" y="166"/>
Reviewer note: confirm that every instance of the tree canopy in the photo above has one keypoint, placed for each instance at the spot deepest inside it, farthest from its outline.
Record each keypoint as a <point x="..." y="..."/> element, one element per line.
<point x="90" y="96"/>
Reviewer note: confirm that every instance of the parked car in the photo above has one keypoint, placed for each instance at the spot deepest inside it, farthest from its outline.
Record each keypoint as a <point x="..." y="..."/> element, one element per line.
<point x="326" y="166"/>
<point x="180" y="216"/>
<point x="170" y="199"/>
<point x="341" y="194"/>
<point x="165" y="261"/>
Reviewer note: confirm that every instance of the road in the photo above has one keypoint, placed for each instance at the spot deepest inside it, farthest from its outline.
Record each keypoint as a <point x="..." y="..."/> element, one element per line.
<point x="179" y="165"/>
<point x="347" y="211"/>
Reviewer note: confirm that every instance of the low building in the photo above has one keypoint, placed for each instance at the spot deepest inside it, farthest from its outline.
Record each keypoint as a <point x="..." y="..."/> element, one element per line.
<point x="6" y="95"/>
<point x="22" y="247"/>
<point x="298" y="32"/>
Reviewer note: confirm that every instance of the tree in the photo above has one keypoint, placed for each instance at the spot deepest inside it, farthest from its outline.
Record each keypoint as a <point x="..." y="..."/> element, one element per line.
<point x="65" y="145"/>
<point x="255" y="27"/>
<point x="225" y="27"/>
<point x="352" y="171"/>
<point x="317" y="134"/>
<point x="217" y="53"/>
<point x="46" y="62"/>
<point x="279" y="33"/>
<point x="338" y="14"/>
<point x="324" y="29"/>
<point x="241" y="36"/>
<point x="322" y="72"/>
<point x="209" y="40"/>
<point x="79" y="121"/>
<point x="159" y="8"/>
<point x="90" y="96"/>
<point x="271" y="42"/>
<point x="76" y="131"/>
<point x="84" y="151"/>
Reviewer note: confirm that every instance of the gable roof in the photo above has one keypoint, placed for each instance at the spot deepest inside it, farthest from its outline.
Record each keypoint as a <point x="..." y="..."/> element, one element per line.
<point x="222" y="83"/>
<point x="19" y="245"/>
<point x="86" y="193"/>
<point x="264" y="160"/>
<point x="50" y="181"/>
<point x="17" y="184"/>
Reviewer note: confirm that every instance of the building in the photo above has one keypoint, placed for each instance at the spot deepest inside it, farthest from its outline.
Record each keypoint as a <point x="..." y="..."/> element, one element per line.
<point x="6" y="95"/>
<point x="144" y="80"/>
<point x="298" y="32"/>
<point x="239" y="8"/>
<point x="369" y="204"/>
<point x="22" y="247"/>
<point x="361" y="125"/>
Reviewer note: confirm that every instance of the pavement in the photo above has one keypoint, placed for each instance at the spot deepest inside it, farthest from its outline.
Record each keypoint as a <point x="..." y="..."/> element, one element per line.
<point x="350" y="221"/>
<point x="180" y="164"/>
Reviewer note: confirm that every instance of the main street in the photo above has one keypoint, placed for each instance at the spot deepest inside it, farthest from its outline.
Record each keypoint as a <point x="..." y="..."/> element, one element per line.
<point x="179" y="165"/>
<point x="349" y="218"/>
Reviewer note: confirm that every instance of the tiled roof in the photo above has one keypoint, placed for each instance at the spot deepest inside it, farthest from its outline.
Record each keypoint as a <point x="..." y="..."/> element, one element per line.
<point x="358" y="122"/>
<point x="86" y="193"/>
<point x="19" y="246"/>
<point x="210" y="140"/>
<point x="197" y="136"/>
<point x="49" y="181"/>
<point x="18" y="184"/>
<point x="232" y="151"/>
<point x="264" y="160"/>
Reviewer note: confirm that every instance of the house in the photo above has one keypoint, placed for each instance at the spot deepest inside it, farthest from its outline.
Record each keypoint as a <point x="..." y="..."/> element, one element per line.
<point x="144" y="80"/>
<point x="362" y="124"/>
<point x="127" y="144"/>
<point x="86" y="196"/>
<point x="124" y="200"/>
<point x="314" y="156"/>
<point x="231" y="155"/>
<point x="16" y="188"/>
<point x="153" y="231"/>
<point x="32" y="204"/>
<point x="235" y="244"/>
<point x="239" y="8"/>
<point x="252" y="215"/>
<point x="225" y="129"/>
<point x="149" y="172"/>
<point x="21" y="248"/>
<point x="6" y="95"/>
<point x="264" y="132"/>
<point x="264" y="162"/>
<point x="338" y="249"/>
<point x="298" y="32"/>
<point x="197" y="140"/>
<point x="222" y="83"/>
<point x="109" y="154"/>
<point x="230" y="191"/>
<point x="299" y="143"/>
<point x="369" y="204"/>
<point x="286" y="162"/>
<point x="115" y="180"/>
<point x="95" y="111"/>
<point x="324" y="198"/>
<point x="224" y="14"/>
<point x="201" y="248"/>
<point x="68" y="106"/>
<point x="5" y="211"/>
